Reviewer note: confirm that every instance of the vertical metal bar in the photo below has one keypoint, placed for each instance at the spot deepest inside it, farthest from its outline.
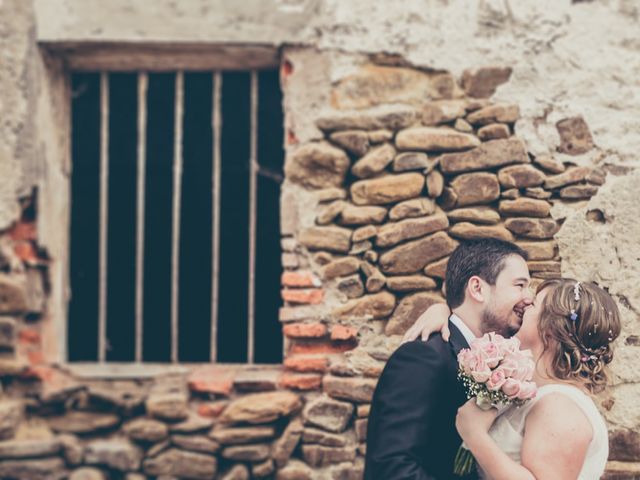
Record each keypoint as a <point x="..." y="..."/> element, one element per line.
<point x="177" y="196"/>
<point x="104" y="212"/>
<point x="216" y="124"/>
<point x="253" y="185"/>
<point x="143" y="82"/>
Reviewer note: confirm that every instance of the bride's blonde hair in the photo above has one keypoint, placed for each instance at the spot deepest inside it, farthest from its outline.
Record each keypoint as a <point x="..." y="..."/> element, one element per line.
<point x="578" y="322"/>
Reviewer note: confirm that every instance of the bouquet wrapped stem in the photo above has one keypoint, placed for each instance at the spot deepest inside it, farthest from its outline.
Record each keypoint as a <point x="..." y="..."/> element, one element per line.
<point x="464" y="461"/>
<point x="497" y="373"/>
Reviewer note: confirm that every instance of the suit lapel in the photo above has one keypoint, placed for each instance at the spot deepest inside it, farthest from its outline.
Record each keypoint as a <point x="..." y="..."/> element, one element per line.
<point x="456" y="340"/>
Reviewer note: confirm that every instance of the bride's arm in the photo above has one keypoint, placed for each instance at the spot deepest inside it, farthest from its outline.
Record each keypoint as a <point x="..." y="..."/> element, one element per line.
<point x="473" y="425"/>
<point x="554" y="446"/>
<point x="497" y="464"/>
<point x="433" y="319"/>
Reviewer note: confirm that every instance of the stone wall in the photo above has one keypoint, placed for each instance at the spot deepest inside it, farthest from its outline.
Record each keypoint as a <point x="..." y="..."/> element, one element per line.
<point x="399" y="143"/>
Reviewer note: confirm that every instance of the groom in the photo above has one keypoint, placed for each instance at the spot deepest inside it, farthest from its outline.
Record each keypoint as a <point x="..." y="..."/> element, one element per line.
<point x="411" y="430"/>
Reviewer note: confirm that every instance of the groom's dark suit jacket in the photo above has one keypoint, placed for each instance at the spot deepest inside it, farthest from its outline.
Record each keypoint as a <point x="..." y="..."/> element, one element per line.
<point x="411" y="430"/>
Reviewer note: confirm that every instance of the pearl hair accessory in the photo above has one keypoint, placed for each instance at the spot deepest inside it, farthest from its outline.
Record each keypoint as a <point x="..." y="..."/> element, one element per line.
<point x="576" y="291"/>
<point x="576" y="296"/>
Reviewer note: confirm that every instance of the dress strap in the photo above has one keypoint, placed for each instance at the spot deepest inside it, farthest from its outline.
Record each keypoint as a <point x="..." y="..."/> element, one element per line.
<point x="577" y="395"/>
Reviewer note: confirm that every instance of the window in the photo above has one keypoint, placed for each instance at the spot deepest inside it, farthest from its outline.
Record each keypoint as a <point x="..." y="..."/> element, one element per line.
<point x="174" y="237"/>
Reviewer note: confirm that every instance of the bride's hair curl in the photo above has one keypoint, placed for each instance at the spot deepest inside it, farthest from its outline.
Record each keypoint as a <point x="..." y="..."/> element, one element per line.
<point x="578" y="323"/>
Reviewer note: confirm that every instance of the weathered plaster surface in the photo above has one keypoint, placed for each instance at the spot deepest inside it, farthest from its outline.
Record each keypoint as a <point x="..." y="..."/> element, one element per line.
<point x="17" y="99"/>
<point x="608" y="252"/>
<point x="254" y="21"/>
<point x="565" y="58"/>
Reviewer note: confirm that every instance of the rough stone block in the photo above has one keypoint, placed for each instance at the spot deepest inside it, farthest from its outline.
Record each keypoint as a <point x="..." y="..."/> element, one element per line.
<point x="413" y="256"/>
<point x="329" y="414"/>
<point x="575" y="136"/>
<point x="482" y="82"/>
<point x="317" y="165"/>
<point x="179" y="463"/>
<point x="491" y="154"/>
<point x="475" y="188"/>
<point x="387" y="189"/>
<point x="430" y="139"/>
<point x="408" y="311"/>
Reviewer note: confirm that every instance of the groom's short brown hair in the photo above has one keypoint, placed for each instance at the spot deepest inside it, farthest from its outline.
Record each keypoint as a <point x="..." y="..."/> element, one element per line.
<point x="483" y="258"/>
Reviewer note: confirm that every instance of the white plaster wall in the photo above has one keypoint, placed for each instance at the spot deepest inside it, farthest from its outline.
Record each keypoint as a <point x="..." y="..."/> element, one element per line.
<point x="580" y="58"/>
<point x="609" y="253"/>
<point x="17" y="100"/>
<point x="253" y="21"/>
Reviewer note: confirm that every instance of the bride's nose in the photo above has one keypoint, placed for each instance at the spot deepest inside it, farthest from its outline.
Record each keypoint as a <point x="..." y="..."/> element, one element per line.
<point x="529" y="295"/>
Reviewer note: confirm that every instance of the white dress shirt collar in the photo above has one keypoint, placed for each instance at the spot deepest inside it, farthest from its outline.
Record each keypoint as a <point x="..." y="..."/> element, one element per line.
<point x="466" y="331"/>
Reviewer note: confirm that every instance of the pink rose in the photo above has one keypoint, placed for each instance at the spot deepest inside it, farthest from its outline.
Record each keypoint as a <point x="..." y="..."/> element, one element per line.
<point x="492" y="355"/>
<point x="481" y="342"/>
<point x="481" y="372"/>
<point x="467" y="360"/>
<point x="518" y="365"/>
<point x="489" y="350"/>
<point x="497" y="339"/>
<point x="511" y="388"/>
<point x="496" y="380"/>
<point x="504" y="344"/>
<point x="527" y="391"/>
<point x="510" y="345"/>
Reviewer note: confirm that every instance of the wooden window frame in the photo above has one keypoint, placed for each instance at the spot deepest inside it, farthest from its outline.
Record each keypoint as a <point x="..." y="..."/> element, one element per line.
<point x="58" y="61"/>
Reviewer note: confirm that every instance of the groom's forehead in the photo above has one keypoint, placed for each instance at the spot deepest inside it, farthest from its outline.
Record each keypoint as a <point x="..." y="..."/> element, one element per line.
<point x="515" y="268"/>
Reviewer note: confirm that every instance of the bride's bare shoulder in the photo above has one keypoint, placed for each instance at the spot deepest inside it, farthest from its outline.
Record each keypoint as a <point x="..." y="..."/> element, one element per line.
<point x="559" y="414"/>
<point x="557" y="435"/>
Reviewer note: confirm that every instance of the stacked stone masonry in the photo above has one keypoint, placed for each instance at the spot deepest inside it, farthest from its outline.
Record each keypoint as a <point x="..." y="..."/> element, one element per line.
<point x="388" y="193"/>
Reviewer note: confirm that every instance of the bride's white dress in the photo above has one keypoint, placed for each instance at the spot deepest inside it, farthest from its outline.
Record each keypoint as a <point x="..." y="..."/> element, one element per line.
<point x="508" y="430"/>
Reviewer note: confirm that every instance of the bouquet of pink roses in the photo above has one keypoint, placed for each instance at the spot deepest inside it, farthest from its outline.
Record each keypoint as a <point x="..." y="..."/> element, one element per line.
<point x="497" y="373"/>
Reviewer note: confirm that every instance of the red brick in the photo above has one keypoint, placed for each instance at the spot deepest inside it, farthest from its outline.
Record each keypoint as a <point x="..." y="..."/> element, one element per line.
<point x="212" y="409"/>
<point x="305" y="330"/>
<point x="307" y="296"/>
<point x="286" y="68"/>
<point x="341" y="332"/>
<point x="29" y="335"/>
<point x="311" y="348"/>
<point x="301" y="382"/>
<point x="293" y="314"/>
<point x="291" y="137"/>
<point x="307" y="364"/>
<point x="26" y="252"/>
<point x="36" y="357"/>
<point x="299" y="279"/>
<point x="41" y="372"/>
<point x="212" y="379"/>
<point x="23" y="231"/>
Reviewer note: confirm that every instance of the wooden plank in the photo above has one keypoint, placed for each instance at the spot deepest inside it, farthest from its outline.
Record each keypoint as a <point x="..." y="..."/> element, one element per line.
<point x="177" y="196"/>
<point x="143" y="82"/>
<point x="104" y="212"/>
<point x="253" y="199"/>
<point x="216" y="124"/>
<point x="164" y="57"/>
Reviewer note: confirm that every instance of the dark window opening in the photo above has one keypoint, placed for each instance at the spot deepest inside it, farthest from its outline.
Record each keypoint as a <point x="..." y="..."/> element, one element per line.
<point x="197" y="222"/>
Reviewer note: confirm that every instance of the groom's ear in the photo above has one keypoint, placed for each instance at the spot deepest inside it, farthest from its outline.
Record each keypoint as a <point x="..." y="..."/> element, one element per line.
<point x="475" y="289"/>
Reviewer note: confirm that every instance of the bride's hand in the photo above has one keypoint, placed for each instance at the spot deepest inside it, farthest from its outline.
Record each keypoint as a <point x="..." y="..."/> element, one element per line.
<point x="472" y="422"/>
<point x="434" y="319"/>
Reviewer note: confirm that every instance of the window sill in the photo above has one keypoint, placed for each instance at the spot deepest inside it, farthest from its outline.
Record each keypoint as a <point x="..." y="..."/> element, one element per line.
<point x="122" y="371"/>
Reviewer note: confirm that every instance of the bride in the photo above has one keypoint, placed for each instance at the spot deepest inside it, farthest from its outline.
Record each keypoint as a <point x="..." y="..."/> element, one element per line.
<point x="559" y="434"/>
